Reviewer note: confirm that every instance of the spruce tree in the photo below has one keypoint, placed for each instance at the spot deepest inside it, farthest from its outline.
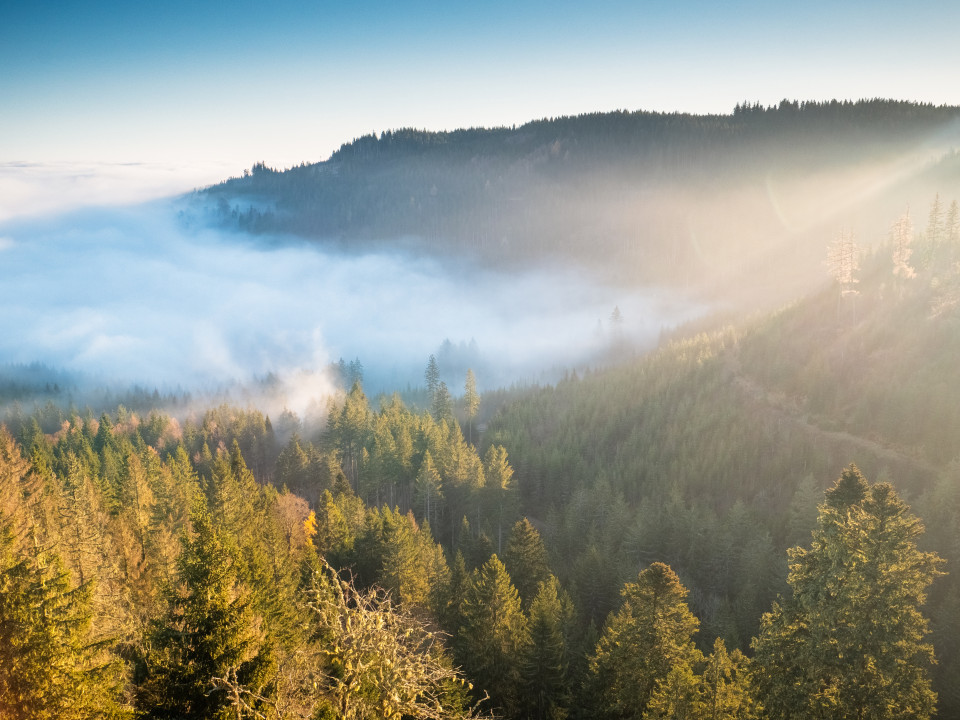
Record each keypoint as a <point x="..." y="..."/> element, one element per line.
<point x="851" y="640"/>
<point x="432" y="376"/>
<point x="209" y="637"/>
<point x="471" y="402"/>
<point x="493" y="636"/>
<point x="545" y="663"/>
<point x="643" y="640"/>
<point x="526" y="559"/>
<point x="51" y="667"/>
<point x="500" y="490"/>
<point x="726" y="686"/>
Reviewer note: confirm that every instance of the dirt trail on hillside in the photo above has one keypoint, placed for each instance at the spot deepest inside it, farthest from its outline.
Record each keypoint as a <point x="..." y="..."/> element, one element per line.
<point x="784" y="410"/>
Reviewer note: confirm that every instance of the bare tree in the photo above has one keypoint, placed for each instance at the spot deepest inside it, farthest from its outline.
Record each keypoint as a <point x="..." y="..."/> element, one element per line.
<point x="901" y="234"/>
<point x="843" y="261"/>
<point x="381" y="660"/>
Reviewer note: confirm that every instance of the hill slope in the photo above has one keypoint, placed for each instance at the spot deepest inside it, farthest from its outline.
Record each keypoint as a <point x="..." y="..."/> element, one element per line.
<point x="712" y="453"/>
<point x="644" y="197"/>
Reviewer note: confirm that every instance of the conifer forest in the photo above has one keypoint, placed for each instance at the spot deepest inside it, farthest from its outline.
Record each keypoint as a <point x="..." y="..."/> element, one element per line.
<point x="755" y="515"/>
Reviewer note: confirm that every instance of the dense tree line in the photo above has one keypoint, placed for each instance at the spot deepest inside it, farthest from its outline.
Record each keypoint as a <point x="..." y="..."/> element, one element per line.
<point x="203" y="593"/>
<point x="710" y="454"/>
<point x="635" y="195"/>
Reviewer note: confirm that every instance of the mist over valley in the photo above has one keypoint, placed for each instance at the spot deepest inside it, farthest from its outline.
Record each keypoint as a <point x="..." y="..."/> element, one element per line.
<point x="137" y="295"/>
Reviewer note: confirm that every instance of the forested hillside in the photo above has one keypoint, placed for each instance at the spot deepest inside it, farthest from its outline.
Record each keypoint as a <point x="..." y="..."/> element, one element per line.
<point x="642" y="197"/>
<point x="617" y="545"/>
<point x="712" y="453"/>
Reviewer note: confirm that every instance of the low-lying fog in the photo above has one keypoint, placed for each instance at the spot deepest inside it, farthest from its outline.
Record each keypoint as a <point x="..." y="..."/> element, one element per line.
<point x="136" y="296"/>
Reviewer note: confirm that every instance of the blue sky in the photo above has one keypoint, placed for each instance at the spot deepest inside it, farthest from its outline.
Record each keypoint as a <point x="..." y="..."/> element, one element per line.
<point x="201" y="90"/>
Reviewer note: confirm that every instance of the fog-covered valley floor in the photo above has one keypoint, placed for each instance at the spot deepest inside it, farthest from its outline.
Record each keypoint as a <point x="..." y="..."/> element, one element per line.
<point x="136" y="295"/>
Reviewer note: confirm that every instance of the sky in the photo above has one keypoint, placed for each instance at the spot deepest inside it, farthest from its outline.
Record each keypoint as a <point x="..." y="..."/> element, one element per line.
<point x="122" y="100"/>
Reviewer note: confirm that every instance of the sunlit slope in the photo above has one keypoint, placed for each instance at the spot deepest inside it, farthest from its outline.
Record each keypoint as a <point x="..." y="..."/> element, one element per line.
<point x="712" y="453"/>
<point x="871" y="376"/>
<point x="697" y="201"/>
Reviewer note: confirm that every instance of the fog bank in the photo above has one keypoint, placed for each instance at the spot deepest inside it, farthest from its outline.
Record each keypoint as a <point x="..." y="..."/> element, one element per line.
<point x="134" y="296"/>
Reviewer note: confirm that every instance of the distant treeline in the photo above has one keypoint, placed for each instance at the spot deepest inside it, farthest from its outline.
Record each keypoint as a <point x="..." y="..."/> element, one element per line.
<point x="658" y="196"/>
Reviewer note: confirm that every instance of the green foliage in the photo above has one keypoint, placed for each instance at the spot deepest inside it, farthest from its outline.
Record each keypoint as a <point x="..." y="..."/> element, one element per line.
<point x="399" y="556"/>
<point x="493" y="636"/>
<point x="208" y="637"/>
<point x="471" y="401"/>
<point x="51" y="667"/>
<point x="677" y="697"/>
<point x="727" y="686"/>
<point x="512" y="196"/>
<point x="851" y="640"/>
<point x="545" y="664"/>
<point x="649" y="635"/>
<point x="526" y="560"/>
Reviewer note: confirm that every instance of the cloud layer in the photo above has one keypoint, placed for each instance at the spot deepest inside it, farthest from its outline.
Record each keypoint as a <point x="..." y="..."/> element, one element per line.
<point x="132" y="295"/>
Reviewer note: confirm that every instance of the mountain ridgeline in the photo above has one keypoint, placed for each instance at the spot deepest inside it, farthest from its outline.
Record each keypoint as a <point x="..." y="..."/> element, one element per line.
<point x="641" y="197"/>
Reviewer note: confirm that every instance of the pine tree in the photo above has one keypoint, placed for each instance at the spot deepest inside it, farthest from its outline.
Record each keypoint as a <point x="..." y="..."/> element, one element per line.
<point x="432" y="376"/>
<point x="545" y="663"/>
<point x="50" y="666"/>
<point x="951" y="229"/>
<point x="678" y="696"/>
<point x="647" y="636"/>
<point x="726" y="686"/>
<point x="850" y="642"/>
<point x="493" y="636"/>
<point x="471" y="402"/>
<point x="442" y="405"/>
<point x="500" y="489"/>
<point x="526" y="559"/>
<point x="428" y="485"/>
<point x="843" y="261"/>
<point x="935" y="222"/>
<point x="209" y="637"/>
<point x="901" y="235"/>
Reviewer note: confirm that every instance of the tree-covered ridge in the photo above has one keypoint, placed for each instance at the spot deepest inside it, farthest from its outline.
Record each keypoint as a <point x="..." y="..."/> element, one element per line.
<point x="710" y="453"/>
<point x="642" y="196"/>
<point x="222" y="597"/>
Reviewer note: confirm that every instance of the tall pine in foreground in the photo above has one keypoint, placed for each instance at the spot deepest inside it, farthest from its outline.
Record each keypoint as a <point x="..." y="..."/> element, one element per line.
<point x="851" y="641"/>
<point x="648" y="636"/>
<point x="209" y="638"/>
<point x="493" y="636"/>
<point x="50" y="667"/>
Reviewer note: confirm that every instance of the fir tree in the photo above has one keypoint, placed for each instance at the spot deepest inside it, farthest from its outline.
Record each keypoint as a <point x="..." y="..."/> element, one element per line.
<point x="471" y="402"/>
<point x="51" y="668"/>
<point x="432" y="376"/>
<point x="209" y="635"/>
<point x="545" y="663"/>
<point x="643" y="640"/>
<point x="500" y="488"/>
<point x="493" y="636"/>
<point x="850" y="641"/>
<point x="526" y="559"/>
